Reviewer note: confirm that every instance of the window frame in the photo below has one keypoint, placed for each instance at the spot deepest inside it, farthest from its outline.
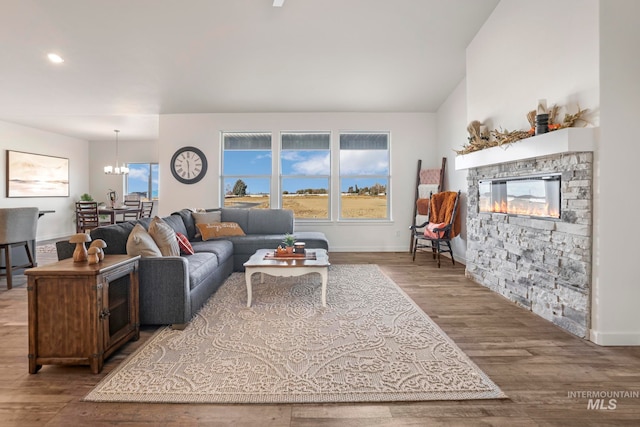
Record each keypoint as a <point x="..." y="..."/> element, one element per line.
<point x="326" y="177"/>
<point x="224" y="177"/>
<point x="386" y="177"/>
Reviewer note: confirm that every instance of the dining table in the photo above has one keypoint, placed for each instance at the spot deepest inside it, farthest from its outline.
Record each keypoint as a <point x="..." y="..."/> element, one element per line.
<point x="117" y="210"/>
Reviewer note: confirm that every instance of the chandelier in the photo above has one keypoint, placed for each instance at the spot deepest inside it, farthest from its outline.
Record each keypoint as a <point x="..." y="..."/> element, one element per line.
<point x="117" y="170"/>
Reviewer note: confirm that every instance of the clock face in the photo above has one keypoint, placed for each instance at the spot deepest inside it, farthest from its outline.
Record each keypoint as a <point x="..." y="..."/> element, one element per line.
<point x="188" y="165"/>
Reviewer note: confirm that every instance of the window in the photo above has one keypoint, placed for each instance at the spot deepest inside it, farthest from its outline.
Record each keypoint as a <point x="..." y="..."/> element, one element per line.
<point x="246" y="169"/>
<point x="364" y="175"/>
<point x="305" y="173"/>
<point x="143" y="180"/>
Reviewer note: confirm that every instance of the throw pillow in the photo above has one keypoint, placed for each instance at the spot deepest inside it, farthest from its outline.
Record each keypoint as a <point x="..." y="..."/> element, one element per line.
<point x="164" y="236"/>
<point x="184" y="244"/>
<point x="205" y="218"/>
<point x="141" y="243"/>
<point x="220" y="229"/>
<point x="429" y="233"/>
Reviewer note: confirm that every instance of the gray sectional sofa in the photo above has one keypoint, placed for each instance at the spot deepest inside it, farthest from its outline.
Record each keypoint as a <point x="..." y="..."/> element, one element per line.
<point x="173" y="288"/>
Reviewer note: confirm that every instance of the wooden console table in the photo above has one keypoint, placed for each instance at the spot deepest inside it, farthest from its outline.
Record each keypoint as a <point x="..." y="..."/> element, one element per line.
<point x="79" y="314"/>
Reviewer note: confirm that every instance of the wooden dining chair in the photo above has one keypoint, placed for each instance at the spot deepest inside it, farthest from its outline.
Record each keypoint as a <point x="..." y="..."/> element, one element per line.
<point x="146" y="209"/>
<point x="87" y="217"/>
<point x="18" y="227"/>
<point x="131" y="215"/>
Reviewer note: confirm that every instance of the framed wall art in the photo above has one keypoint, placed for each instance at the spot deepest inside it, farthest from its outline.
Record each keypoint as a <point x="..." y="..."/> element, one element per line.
<point x="36" y="175"/>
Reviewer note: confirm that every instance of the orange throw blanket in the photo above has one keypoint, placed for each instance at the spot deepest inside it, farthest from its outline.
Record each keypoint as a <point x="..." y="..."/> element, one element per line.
<point x="442" y="208"/>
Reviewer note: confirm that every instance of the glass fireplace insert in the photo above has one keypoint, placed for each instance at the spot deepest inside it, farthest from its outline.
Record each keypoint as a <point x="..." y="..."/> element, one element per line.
<point x="537" y="196"/>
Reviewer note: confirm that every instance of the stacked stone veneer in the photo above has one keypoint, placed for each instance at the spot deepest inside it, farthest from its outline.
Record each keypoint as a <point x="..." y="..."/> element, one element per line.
<point x="543" y="265"/>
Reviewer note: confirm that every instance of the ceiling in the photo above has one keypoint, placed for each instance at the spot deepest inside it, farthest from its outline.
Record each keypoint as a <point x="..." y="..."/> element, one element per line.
<point x="127" y="61"/>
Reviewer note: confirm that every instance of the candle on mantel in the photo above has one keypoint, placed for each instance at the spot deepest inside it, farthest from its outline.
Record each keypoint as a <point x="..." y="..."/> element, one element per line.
<point x="542" y="106"/>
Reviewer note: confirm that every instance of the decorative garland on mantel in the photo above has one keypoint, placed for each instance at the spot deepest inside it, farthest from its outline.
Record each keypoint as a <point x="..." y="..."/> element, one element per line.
<point x="480" y="137"/>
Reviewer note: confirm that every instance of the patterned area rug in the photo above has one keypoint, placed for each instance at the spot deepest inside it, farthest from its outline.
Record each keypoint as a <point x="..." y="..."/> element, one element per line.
<point x="371" y="343"/>
<point x="49" y="248"/>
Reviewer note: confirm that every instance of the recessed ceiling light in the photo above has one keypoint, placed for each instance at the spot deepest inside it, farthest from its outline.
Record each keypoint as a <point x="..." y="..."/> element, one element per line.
<point x="278" y="3"/>
<point x="55" y="58"/>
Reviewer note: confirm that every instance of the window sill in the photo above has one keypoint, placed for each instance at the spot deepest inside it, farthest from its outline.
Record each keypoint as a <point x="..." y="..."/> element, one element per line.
<point x="344" y="222"/>
<point x="359" y="222"/>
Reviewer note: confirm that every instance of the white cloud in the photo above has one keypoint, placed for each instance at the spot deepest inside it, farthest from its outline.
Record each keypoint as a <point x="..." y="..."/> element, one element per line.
<point x="262" y="156"/>
<point x="360" y="162"/>
<point x="138" y="174"/>
<point x="291" y="155"/>
<point x="314" y="165"/>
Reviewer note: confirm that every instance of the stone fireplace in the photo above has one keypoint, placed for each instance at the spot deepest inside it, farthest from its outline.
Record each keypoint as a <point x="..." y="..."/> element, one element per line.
<point x="541" y="262"/>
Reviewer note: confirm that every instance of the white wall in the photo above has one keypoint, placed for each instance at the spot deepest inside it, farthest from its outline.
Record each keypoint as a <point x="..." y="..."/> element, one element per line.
<point x="21" y="138"/>
<point x="452" y="135"/>
<point x="412" y="135"/>
<point x="528" y="51"/>
<point x="616" y="317"/>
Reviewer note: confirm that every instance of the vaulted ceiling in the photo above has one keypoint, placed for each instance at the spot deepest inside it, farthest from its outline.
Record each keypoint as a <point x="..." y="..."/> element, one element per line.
<point x="127" y="61"/>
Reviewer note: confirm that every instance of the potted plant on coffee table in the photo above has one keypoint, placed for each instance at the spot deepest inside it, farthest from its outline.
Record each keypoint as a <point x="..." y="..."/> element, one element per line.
<point x="288" y="242"/>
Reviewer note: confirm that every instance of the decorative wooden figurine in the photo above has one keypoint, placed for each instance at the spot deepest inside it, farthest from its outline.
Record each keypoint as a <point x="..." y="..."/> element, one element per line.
<point x="100" y="244"/>
<point x="93" y="255"/>
<point x="80" y="253"/>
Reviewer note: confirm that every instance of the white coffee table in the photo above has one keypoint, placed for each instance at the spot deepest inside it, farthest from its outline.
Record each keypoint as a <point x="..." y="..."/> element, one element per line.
<point x="287" y="267"/>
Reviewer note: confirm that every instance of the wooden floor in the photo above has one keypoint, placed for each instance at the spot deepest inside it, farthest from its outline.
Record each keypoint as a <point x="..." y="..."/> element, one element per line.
<point x="534" y="362"/>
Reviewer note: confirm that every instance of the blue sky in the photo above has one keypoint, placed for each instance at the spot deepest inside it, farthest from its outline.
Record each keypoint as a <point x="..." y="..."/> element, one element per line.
<point x="303" y="166"/>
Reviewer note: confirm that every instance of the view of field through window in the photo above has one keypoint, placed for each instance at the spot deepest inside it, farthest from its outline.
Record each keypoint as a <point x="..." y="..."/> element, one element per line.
<point x="313" y="207"/>
<point x="305" y="173"/>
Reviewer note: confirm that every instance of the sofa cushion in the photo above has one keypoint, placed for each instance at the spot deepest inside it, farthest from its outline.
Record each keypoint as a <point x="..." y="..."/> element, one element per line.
<point x="249" y="244"/>
<point x="141" y="243"/>
<point x="187" y="220"/>
<point x="238" y="215"/>
<point x="164" y="236"/>
<point x="176" y="223"/>
<point x="145" y="222"/>
<point x="312" y="239"/>
<point x="202" y="266"/>
<point x="115" y="235"/>
<point x="219" y="229"/>
<point x="269" y="221"/>
<point x="223" y="248"/>
<point x="184" y="244"/>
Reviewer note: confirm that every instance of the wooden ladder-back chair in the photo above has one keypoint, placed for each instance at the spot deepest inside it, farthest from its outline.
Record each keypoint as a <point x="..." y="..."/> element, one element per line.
<point x="18" y="227"/>
<point x="131" y="215"/>
<point x="87" y="217"/>
<point x="146" y="209"/>
<point x="442" y="226"/>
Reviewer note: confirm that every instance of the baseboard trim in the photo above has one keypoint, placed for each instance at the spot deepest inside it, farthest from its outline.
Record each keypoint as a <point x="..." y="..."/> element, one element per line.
<point x="614" y="338"/>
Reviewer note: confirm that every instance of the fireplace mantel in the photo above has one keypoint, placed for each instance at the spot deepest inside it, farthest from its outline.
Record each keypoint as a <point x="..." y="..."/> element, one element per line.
<point x="568" y="140"/>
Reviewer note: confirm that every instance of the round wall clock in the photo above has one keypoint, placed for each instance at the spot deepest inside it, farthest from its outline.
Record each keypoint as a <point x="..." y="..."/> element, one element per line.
<point x="188" y="165"/>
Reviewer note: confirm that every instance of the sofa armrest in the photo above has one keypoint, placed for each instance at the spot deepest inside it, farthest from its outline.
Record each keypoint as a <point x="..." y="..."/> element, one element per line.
<point x="164" y="291"/>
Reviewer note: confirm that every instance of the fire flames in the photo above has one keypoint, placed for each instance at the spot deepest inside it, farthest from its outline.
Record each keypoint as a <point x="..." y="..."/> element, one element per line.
<point x="524" y="207"/>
